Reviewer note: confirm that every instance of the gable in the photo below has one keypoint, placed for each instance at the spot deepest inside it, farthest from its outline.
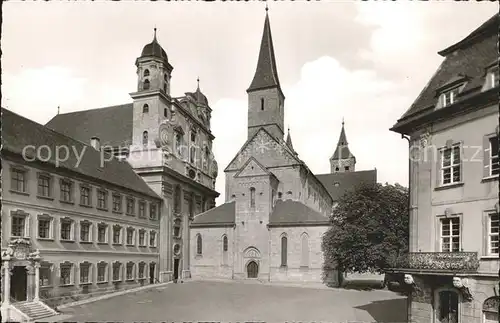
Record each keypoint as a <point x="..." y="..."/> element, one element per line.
<point x="265" y="149"/>
<point x="252" y="168"/>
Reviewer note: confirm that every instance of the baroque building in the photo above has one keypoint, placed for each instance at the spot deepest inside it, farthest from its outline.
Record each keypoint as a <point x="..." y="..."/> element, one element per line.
<point x="72" y="227"/>
<point x="451" y="272"/>
<point x="168" y="142"/>
<point x="276" y="209"/>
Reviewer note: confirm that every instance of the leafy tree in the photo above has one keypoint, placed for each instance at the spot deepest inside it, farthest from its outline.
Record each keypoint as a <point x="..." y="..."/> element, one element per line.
<point x="369" y="230"/>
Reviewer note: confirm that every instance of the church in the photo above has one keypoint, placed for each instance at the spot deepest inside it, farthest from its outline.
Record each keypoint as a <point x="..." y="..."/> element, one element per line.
<point x="276" y="210"/>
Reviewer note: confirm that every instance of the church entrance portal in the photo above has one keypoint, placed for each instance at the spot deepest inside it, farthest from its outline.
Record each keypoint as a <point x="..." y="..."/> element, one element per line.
<point x="19" y="283"/>
<point x="252" y="269"/>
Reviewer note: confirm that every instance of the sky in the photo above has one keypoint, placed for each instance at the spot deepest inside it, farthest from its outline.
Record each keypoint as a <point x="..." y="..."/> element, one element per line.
<point x="364" y="62"/>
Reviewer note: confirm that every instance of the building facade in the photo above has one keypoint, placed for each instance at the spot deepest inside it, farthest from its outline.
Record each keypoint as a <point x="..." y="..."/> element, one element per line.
<point x="276" y="210"/>
<point x="72" y="227"/>
<point x="168" y="142"/>
<point x="452" y="269"/>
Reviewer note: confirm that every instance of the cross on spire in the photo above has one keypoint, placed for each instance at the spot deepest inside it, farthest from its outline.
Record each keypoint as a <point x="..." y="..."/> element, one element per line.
<point x="198" y="81"/>
<point x="267" y="8"/>
<point x="154" y="32"/>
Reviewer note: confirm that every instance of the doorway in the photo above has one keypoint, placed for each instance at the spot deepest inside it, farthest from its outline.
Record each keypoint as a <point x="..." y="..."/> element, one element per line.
<point x="252" y="269"/>
<point x="176" y="269"/>
<point x="448" y="307"/>
<point x="152" y="273"/>
<point x="19" y="283"/>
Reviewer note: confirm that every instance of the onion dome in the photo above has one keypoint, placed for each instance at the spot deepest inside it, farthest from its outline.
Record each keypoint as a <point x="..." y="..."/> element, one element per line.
<point x="154" y="49"/>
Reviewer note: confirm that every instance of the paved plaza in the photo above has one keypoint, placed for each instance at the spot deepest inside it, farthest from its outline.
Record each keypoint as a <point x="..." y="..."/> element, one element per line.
<point x="214" y="301"/>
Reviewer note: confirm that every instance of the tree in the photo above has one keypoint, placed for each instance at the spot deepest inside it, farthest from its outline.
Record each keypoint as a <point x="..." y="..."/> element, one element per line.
<point x="369" y="229"/>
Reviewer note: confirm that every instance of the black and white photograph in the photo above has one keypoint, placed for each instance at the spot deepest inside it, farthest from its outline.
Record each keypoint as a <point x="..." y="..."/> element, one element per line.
<point x="250" y="161"/>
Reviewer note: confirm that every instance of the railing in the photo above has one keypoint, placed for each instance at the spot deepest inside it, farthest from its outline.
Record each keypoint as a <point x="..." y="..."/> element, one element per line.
<point x="443" y="261"/>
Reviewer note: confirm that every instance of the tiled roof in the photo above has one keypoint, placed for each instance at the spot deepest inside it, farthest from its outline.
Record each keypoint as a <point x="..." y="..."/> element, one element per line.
<point x="221" y="215"/>
<point x="19" y="132"/>
<point x="470" y="58"/>
<point x="112" y="125"/>
<point x="289" y="212"/>
<point x="338" y="184"/>
<point x="266" y="74"/>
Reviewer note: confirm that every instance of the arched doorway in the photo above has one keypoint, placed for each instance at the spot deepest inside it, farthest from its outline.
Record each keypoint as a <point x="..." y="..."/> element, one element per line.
<point x="252" y="269"/>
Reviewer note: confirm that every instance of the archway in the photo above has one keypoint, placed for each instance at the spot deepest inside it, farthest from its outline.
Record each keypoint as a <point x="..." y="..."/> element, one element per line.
<point x="252" y="269"/>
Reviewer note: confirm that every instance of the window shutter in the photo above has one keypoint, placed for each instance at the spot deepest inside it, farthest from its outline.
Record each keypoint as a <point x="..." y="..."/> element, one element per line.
<point x="484" y="221"/>
<point x="486" y="156"/>
<point x="438" y="167"/>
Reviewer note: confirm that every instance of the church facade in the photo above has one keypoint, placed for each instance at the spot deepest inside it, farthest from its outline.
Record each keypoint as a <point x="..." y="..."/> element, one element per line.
<point x="276" y="210"/>
<point x="168" y="142"/>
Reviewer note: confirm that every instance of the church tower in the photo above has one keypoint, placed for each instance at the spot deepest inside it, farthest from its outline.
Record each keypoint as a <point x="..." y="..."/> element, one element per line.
<point x="265" y="98"/>
<point x="342" y="160"/>
<point x="152" y="100"/>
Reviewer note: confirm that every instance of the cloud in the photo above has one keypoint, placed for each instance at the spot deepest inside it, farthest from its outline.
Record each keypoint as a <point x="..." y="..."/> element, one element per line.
<point x="42" y="90"/>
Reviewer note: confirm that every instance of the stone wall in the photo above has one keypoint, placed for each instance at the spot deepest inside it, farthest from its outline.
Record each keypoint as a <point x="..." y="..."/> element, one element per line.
<point x="213" y="262"/>
<point x="300" y="266"/>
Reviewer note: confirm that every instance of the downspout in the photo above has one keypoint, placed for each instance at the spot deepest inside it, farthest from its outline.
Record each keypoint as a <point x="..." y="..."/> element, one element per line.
<point x="409" y="184"/>
<point x="409" y="301"/>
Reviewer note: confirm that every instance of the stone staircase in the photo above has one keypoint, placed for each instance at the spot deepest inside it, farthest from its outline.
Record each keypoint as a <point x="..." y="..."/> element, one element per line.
<point x="34" y="310"/>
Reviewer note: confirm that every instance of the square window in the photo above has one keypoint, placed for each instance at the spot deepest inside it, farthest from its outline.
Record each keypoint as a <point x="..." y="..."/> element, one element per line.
<point x="18" y="226"/>
<point x="450" y="234"/>
<point x="152" y="239"/>
<point x="141" y="238"/>
<point x="44" y="183"/>
<point x="45" y="275"/>
<point x="493" y="228"/>
<point x="116" y="271"/>
<point x="85" y="231"/>
<point x="494" y="165"/>
<point x="102" y="197"/>
<point x="101" y="272"/>
<point x="130" y="206"/>
<point x="152" y="211"/>
<point x="85" y="195"/>
<point x="66" y="188"/>
<point x="84" y="273"/>
<point x="130" y="236"/>
<point x="66" y="227"/>
<point x="101" y="233"/>
<point x="116" y="235"/>
<point x="44" y="228"/>
<point x="117" y="203"/>
<point x="451" y="165"/>
<point x="66" y="274"/>
<point x="130" y="271"/>
<point x="142" y="209"/>
<point x="18" y="180"/>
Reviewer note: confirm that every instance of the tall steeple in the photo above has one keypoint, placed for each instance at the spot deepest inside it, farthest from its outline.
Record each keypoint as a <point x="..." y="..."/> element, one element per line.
<point x="266" y="73"/>
<point x="265" y="97"/>
<point x="342" y="160"/>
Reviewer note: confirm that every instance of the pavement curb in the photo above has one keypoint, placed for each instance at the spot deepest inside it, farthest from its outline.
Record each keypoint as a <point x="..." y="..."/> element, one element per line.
<point x="106" y="296"/>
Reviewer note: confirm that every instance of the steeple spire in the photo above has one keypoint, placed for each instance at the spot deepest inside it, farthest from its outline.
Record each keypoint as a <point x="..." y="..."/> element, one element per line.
<point x="154" y="37"/>
<point x="198" y="81"/>
<point x="289" y="140"/>
<point x="342" y="159"/>
<point x="266" y="73"/>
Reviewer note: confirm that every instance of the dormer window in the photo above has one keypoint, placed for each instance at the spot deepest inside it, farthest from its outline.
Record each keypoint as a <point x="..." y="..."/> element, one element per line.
<point x="449" y="97"/>
<point x="492" y="78"/>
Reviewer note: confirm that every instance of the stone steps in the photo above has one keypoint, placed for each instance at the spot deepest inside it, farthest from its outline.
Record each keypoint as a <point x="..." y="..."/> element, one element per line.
<point x="34" y="310"/>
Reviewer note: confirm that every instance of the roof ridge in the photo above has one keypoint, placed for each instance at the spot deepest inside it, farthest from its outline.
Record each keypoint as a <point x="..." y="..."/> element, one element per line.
<point x="101" y="108"/>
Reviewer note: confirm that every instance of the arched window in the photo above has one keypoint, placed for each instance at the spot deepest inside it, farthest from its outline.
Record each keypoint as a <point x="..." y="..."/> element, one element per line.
<point x="252" y="196"/>
<point x="490" y="309"/>
<point x="146" y="85"/>
<point x="177" y="199"/>
<point x="262" y="103"/>
<point x="336" y="169"/>
<point x="146" y="72"/>
<point x="145" y="108"/>
<point x="165" y="112"/>
<point x="192" y="154"/>
<point x="199" y="247"/>
<point x="165" y="77"/>
<point x="224" y="243"/>
<point x="284" y="242"/>
<point x="165" y="87"/>
<point x="145" y="138"/>
<point x="178" y="143"/>
<point x="305" y="251"/>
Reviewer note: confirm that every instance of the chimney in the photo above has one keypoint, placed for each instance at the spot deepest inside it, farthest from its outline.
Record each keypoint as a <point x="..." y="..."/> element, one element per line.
<point x="95" y="143"/>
